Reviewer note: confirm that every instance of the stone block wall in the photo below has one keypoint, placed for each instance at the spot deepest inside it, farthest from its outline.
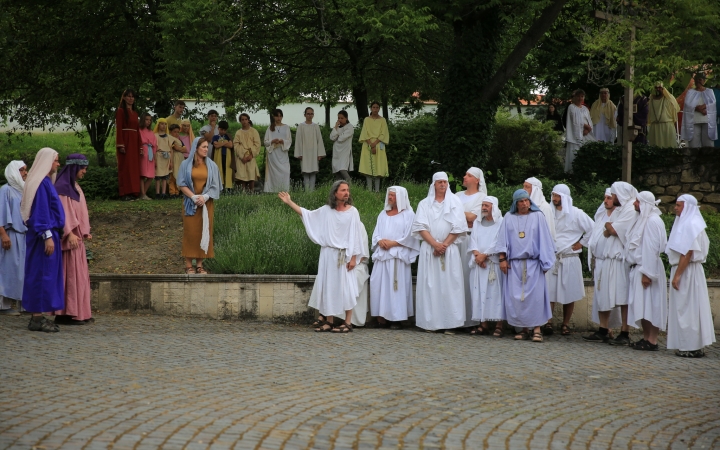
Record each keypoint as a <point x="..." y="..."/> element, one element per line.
<point x="696" y="172"/>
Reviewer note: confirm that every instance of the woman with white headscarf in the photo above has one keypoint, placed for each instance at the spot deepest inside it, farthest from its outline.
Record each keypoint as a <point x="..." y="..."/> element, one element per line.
<point x="647" y="303"/>
<point x="394" y="250"/>
<point x="199" y="181"/>
<point x="690" y="324"/>
<point x="440" y="223"/>
<point x="533" y="186"/>
<point x="12" y="237"/>
<point x="42" y="211"/>
<point x="485" y="277"/>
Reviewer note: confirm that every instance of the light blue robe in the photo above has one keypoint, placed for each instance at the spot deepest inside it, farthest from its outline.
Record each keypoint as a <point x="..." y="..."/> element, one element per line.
<point x="526" y="304"/>
<point x="12" y="262"/>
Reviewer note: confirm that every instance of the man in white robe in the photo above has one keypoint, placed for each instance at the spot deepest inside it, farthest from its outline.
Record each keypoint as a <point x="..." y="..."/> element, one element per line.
<point x="309" y="149"/>
<point x="602" y="113"/>
<point x="572" y="231"/>
<point x="485" y="276"/>
<point x="647" y="300"/>
<point x="440" y="223"/>
<point x="613" y="278"/>
<point x="394" y="250"/>
<point x="578" y="126"/>
<point x="596" y="250"/>
<point x="699" y="124"/>
<point x="526" y="251"/>
<point x="336" y="228"/>
<point x="471" y="198"/>
<point x="690" y="324"/>
<point x="12" y="238"/>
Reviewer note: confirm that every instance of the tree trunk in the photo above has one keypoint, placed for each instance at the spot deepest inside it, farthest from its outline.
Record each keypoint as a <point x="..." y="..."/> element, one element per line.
<point x="98" y="131"/>
<point x="327" y="115"/>
<point x="360" y="97"/>
<point x="464" y="125"/>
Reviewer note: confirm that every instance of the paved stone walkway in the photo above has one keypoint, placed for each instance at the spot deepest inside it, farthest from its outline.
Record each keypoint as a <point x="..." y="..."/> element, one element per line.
<point x="145" y="382"/>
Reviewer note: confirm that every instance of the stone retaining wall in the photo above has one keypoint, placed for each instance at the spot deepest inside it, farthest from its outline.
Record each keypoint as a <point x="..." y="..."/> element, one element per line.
<point x="279" y="298"/>
<point x="696" y="172"/>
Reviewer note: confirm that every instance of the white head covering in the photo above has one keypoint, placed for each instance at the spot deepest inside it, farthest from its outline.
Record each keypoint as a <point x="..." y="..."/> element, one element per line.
<point x="401" y="198"/>
<point x="537" y="194"/>
<point x="437" y="176"/>
<point x="686" y="227"/>
<point x="601" y="209"/>
<point x="496" y="213"/>
<point x="567" y="203"/>
<point x="648" y="207"/>
<point x="477" y="173"/>
<point x="13" y="177"/>
<point x="625" y="193"/>
<point x="41" y="167"/>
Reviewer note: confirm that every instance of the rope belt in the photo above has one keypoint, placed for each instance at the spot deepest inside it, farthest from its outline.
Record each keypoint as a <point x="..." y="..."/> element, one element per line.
<point x="559" y="260"/>
<point x="395" y="283"/>
<point x="341" y="257"/>
<point x="491" y="267"/>
<point x="524" y="275"/>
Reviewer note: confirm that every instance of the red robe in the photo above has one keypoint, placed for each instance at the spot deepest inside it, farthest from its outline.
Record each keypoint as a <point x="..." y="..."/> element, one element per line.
<point x="128" y="134"/>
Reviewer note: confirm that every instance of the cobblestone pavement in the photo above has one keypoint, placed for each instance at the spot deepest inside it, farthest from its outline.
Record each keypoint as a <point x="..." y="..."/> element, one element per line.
<point x="143" y="382"/>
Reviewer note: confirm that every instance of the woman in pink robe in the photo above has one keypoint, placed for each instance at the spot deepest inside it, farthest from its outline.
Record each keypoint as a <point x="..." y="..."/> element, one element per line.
<point x="147" y="161"/>
<point x="77" y="229"/>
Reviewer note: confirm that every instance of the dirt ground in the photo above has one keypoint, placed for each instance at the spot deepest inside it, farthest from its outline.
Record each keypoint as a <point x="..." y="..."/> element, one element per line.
<point x="136" y="237"/>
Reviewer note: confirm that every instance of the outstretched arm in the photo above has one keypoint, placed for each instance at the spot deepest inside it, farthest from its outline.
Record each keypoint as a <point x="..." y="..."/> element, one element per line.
<point x="285" y="197"/>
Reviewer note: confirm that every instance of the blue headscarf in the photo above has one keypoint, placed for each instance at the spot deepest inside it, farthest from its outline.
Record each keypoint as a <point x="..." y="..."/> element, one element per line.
<point x="212" y="185"/>
<point x="519" y="195"/>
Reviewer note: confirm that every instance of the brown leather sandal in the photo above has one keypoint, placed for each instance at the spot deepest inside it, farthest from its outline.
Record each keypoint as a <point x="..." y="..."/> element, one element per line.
<point x="201" y="270"/>
<point x="190" y="270"/>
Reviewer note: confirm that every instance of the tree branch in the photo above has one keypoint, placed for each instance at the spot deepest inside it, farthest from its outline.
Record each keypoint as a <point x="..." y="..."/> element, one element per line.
<point x="533" y="35"/>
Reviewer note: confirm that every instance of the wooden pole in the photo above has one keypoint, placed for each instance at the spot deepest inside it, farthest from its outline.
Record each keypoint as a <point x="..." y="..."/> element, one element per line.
<point x="629" y="125"/>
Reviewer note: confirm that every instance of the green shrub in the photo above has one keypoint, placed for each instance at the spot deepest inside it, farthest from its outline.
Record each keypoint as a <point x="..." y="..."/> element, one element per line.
<point x="100" y="183"/>
<point x="602" y="161"/>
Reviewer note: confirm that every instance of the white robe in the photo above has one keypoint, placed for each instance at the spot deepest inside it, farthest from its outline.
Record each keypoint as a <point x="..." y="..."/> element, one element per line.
<point x="602" y="130"/>
<point x="547" y="211"/>
<point x="692" y="99"/>
<point x="471" y="204"/>
<point x="440" y="286"/>
<point x="577" y="116"/>
<point x="648" y="303"/>
<point x="277" y="162"/>
<point x="342" y="158"/>
<point x="690" y="324"/>
<point x="596" y="250"/>
<point x="485" y="283"/>
<point x="391" y="291"/>
<point x="340" y="237"/>
<point x="615" y="269"/>
<point x="565" y="280"/>
<point x="309" y="145"/>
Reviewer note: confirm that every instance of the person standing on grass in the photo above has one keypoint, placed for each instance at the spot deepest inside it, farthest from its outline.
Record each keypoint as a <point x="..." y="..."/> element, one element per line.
<point x="342" y="158"/>
<point x="147" y="162"/>
<point x="163" y="158"/>
<point x="394" y="250"/>
<point x="128" y="146"/>
<point x="309" y="149"/>
<point x="77" y="309"/>
<point x="572" y="231"/>
<point x="247" y="147"/>
<point x="199" y="181"/>
<point x="278" y="140"/>
<point x="440" y="222"/>
<point x="374" y="137"/>
<point x="690" y="323"/>
<point x="178" y="156"/>
<point x="486" y="279"/>
<point x="187" y="137"/>
<point x="212" y="129"/>
<point x="526" y="251"/>
<point x="647" y="304"/>
<point x="42" y="212"/>
<point x="336" y="227"/>
<point x="12" y="238"/>
<point x="221" y="147"/>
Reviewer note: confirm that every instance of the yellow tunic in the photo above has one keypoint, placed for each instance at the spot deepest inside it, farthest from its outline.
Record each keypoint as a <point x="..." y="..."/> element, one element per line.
<point x="661" y="123"/>
<point x="246" y="143"/>
<point x="374" y="129"/>
<point x="172" y="120"/>
<point x="162" y="163"/>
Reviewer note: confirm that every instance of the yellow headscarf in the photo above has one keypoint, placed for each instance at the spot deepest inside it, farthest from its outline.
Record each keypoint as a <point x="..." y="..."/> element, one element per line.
<point x="159" y="121"/>
<point x="609" y="112"/>
<point x="191" y="134"/>
<point x="671" y="105"/>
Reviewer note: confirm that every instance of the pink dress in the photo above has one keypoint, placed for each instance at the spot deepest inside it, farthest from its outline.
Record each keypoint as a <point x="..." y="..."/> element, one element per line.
<point x="75" y="266"/>
<point x="147" y="167"/>
<point x="186" y="142"/>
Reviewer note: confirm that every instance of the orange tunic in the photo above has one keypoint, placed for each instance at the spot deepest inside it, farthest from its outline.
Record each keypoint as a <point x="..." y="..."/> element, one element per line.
<point x="192" y="225"/>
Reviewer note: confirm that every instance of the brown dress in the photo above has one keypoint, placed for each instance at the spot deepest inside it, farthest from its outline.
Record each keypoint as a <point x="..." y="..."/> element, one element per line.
<point x="192" y="225"/>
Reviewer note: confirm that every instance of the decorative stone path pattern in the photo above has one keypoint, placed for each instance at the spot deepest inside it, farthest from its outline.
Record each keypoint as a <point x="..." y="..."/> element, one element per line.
<point x="143" y="382"/>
